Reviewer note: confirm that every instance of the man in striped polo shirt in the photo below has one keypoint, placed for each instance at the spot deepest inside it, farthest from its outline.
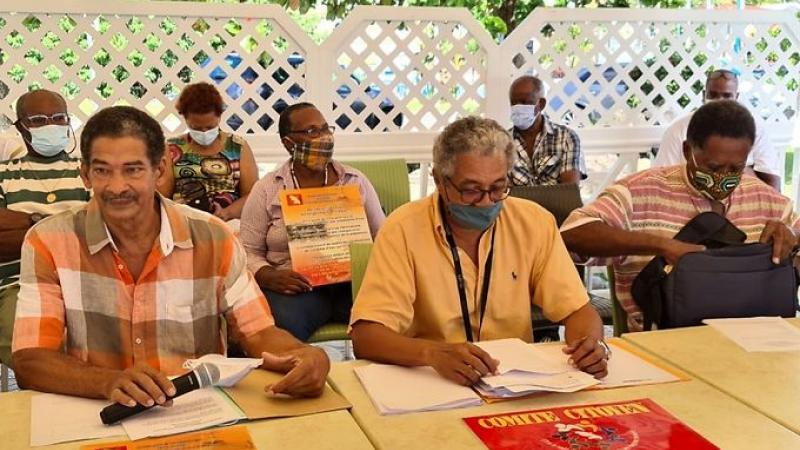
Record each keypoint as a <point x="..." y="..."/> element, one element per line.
<point x="43" y="182"/>
<point x="638" y="217"/>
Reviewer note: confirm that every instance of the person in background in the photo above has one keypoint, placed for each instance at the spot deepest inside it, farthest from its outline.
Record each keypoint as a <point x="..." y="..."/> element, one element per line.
<point x="208" y="169"/>
<point x="637" y="218"/>
<point x="43" y="180"/>
<point x="465" y="264"/>
<point x="297" y="306"/>
<point x="763" y="159"/>
<point x="11" y="148"/>
<point x="546" y="152"/>
<point x="116" y="295"/>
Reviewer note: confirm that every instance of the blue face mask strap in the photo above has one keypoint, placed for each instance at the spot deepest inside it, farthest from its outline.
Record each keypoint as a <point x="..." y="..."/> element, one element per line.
<point x="462" y="291"/>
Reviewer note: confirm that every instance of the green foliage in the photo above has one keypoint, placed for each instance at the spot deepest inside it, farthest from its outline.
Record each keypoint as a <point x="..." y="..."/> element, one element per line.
<point x="499" y="17"/>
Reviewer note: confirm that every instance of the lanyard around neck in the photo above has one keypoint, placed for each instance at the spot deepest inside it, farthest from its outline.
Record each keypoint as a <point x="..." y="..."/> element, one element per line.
<point x="462" y="291"/>
<point x="297" y="183"/>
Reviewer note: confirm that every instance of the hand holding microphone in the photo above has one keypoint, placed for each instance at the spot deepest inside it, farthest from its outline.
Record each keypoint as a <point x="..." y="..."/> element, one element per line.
<point x="142" y="387"/>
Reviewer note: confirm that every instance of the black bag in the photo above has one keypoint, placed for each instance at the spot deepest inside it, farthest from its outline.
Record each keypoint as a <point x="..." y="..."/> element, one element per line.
<point x="728" y="279"/>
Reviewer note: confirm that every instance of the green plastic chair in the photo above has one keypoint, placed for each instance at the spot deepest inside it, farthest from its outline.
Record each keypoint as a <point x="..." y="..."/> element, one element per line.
<point x="359" y="255"/>
<point x="619" y="315"/>
<point x="389" y="177"/>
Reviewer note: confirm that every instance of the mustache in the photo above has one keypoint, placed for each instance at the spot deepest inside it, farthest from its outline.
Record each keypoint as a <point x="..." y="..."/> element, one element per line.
<point x="110" y="197"/>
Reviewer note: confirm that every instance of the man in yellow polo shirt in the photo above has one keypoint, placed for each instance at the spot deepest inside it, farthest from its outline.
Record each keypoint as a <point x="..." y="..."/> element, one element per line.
<point x="465" y="264"/>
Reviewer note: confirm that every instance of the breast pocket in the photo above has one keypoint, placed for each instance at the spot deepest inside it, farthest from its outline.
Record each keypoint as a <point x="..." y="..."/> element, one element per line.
<point x="188" y="307"/>
<point x="545" y="161"/>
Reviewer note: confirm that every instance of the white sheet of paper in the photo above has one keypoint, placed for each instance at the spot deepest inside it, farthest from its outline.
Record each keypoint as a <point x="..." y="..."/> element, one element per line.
<point x="231" y="370"/>
<point x="61" y="418"/>
<point x="515" y="384"/>
<point x="516" y="354"/>
<point x="196" y="410"/>
<point x="759" y="334"/>
<point x="624" y="368"/>
<point x="566" y="380"/>
<point x="399" y="390"/>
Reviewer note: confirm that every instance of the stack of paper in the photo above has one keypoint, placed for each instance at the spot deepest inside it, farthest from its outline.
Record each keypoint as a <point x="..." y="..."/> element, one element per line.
<point x="524" y="369"/>
<point x="759" y="334"/>
<point x="399" y="390"/>
<point x="519" y="384"/>
<point x="517" y="355"/>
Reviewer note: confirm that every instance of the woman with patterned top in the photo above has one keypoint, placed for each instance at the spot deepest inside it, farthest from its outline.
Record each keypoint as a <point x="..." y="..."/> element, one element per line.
<point x="209" y="169"/>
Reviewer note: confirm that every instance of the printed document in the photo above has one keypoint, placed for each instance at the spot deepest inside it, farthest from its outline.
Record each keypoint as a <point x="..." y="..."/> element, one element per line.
<point x="195" y="410"/>
<point x="399" y="390"/>
<point x="63" y="418"/>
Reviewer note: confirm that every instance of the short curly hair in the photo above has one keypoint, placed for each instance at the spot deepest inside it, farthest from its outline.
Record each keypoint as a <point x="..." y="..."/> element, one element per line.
<point x="200" y="98"/>
<point x="723" y="118"/>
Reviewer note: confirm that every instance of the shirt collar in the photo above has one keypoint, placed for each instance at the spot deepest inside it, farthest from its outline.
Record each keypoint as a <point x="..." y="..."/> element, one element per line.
<point x="174" y="228"/>
<point x="548" y="124"/>
<point x="547" y="127"/>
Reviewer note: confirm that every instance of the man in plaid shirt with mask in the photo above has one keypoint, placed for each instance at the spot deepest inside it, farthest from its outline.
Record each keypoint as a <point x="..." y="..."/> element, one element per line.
<point x="547" y="152"/>
<point x="116" y="295"/>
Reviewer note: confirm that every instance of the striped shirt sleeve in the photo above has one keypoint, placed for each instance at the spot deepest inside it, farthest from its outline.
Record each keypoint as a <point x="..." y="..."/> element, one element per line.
<point x="613" y="207"/>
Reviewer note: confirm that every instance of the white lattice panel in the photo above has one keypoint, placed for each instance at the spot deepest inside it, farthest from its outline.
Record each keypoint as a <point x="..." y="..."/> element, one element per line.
<point x="622" y="68"/>
<point x="407" y="69"/>
<point x="144" y="54"/>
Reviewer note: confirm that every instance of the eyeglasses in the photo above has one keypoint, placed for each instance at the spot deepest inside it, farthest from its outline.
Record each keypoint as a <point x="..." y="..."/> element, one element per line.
<point x="723" y="73"/>
<point x="314" y="132"/>
<point x="40" y="120"/>
<point x="472" y="196"/>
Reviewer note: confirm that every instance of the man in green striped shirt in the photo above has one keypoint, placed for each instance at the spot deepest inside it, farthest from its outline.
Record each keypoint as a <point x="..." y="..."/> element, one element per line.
<point x="43" y="182"/>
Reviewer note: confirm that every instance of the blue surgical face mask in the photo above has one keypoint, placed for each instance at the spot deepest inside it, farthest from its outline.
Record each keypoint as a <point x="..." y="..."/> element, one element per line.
<point x="204" y="138"/>
<point x="49" y="140"/>
<point x="475" y="217"/>
<point x="523" y="116"/>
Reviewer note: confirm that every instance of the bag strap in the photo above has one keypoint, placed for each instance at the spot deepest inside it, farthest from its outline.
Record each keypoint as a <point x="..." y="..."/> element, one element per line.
<point x="707" y="228"/>
<point x="710" y="226"/>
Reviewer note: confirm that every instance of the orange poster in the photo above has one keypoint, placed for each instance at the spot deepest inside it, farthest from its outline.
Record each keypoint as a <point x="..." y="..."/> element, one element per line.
<point x="228" y="438"/>
<point x="321" y="224"/>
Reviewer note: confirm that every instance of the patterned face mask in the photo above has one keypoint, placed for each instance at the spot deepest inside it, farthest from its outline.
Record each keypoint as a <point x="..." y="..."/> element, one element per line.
<point x="314" y="153"/>
<point x="716" y="186"/>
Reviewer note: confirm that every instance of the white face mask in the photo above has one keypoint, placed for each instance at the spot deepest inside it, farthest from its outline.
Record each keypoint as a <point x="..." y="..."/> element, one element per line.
<point x="50" y="140"/>
<point x="204" y="138"/>
<point x="523" y="116"/>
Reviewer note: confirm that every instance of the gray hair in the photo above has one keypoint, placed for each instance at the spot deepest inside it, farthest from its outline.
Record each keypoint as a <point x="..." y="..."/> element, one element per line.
<point x="471" y="134"/>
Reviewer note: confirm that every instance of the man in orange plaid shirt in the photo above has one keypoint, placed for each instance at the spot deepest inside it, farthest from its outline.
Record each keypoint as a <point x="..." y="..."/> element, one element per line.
<point x="116" y="295"/>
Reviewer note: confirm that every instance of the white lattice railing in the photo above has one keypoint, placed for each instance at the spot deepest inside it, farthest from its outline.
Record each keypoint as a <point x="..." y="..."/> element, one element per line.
<point x="390" y="78"/>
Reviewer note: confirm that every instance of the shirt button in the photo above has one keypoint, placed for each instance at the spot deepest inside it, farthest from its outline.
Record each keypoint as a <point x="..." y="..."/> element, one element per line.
<point x="138" y="340"/>
<point x="120" y="266"/>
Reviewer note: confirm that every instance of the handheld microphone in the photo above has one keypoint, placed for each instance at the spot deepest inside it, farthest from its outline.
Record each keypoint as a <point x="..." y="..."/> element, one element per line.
<point x="202" y="376"/>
